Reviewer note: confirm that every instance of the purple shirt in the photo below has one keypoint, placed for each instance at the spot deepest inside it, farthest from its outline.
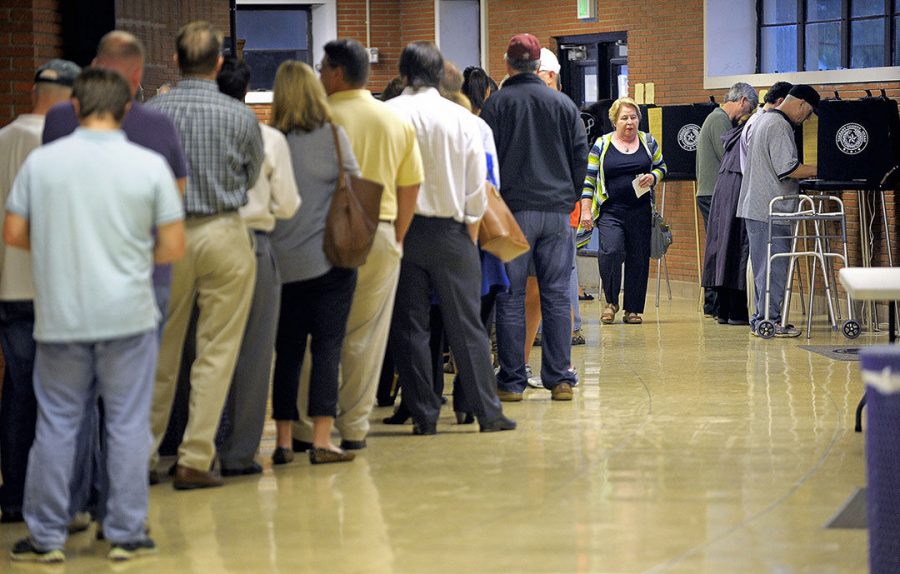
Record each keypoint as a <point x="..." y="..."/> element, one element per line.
<point x="145" y="127"/>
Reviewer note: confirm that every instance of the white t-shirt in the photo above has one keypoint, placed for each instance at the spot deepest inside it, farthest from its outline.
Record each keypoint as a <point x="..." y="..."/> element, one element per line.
<point x="17" y="140"/>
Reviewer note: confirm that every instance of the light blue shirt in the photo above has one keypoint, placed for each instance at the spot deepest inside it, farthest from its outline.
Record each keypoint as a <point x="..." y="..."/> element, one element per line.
<point x="92" y="200"/>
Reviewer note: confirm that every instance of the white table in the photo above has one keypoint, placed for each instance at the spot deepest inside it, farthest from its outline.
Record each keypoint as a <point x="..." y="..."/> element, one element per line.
<point x="873" y="284"/>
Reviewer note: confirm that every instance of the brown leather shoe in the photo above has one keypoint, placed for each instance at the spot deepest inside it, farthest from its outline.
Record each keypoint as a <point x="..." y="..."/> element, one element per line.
<point x="189" y="479"/>
<point x="561" y="392"/>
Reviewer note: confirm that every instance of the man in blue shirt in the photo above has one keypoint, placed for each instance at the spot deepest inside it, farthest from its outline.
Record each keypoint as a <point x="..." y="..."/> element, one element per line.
<point x="86" y="207"/>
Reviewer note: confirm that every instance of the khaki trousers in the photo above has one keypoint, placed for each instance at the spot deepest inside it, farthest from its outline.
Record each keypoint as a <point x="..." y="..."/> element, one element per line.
<point x="219" y="272"/>
<point x="362" y="354"/>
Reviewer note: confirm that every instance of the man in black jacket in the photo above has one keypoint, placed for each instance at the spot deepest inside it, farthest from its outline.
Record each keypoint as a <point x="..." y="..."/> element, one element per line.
<point x="542" y="151"/>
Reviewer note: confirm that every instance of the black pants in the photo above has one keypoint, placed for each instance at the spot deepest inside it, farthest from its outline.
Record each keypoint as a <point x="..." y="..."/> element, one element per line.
<point x="732" y="304"/>
<point x="710" y="296"/>
<point x="625" y="238"/>
<point x="18" y="409"/>
<point x="316" y="308"/>
<point x="439" y="254"/>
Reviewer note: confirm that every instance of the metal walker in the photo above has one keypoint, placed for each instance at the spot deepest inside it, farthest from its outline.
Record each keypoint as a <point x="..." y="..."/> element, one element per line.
<point x="810" y="209"/>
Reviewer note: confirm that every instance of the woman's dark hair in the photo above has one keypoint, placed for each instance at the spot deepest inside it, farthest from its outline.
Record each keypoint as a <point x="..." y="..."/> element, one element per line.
<point x="392" y="90"/>
<point x="476" y="84"/>
<point x="422" y="65"/>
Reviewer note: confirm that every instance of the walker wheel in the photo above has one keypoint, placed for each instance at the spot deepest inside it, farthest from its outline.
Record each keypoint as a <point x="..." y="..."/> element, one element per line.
<point x="851" y="329"/>
<point x="765" y="329"/>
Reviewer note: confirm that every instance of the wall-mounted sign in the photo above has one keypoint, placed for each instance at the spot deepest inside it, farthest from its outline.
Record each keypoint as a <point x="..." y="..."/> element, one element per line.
<point x="587" y="9"/>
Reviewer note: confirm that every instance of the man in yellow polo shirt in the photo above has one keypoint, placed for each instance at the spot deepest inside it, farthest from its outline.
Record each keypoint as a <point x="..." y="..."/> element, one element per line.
<point x="385" y="146"/>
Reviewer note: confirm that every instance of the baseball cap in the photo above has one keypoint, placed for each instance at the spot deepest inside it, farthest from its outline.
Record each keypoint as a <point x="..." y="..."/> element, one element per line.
<point x="807" y="94"/>
<point x="524" y="48"/>
<point x="56" y="71"/>
<point x="549" y="62"/>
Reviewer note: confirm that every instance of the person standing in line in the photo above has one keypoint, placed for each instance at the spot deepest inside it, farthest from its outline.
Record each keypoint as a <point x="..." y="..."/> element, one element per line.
<point x="541" y="148"/>
<point x="224" y="146"/>
<point x="440" y="253"/>
<point x="86" y="206"/>
<point x="121" y="52"/>
<point x="18" y="407"/>
<point x="316" y="296"/>
<point x="274" y="196"/>
<point x="386" y="148"/>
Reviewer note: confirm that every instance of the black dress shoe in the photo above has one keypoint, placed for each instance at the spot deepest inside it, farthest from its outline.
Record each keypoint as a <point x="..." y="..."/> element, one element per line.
<point x="153" y="477"/>
<point x="300" y="445"/>
<point x="424" y="428"/>
<point x="353" y="444"/>
<point x="499" y="424"/>
<point x="398" y="418"/>
<point x="464" y="418"/>
<point x="10" y="516"/>
<point x="247" y="470"/>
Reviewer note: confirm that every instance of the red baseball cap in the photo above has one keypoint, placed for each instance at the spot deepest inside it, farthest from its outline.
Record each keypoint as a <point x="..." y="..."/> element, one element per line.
<point x="524" y="48"/>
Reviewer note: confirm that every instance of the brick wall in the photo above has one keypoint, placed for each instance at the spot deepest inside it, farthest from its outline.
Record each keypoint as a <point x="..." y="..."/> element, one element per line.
<point x="30" y="34"/>
<point x="156" y="22"/>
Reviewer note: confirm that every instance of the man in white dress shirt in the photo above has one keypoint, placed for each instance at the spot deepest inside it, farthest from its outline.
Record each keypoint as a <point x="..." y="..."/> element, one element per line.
<point x="440" y="255"/>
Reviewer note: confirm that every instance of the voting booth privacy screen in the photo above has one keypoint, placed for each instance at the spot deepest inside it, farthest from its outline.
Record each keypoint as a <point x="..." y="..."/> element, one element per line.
<point x="680" y="136"/>
<point x="857" y="139"/>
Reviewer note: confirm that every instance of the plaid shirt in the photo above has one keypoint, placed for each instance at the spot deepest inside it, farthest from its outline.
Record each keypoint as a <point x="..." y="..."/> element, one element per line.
<point x="222" y="140"/>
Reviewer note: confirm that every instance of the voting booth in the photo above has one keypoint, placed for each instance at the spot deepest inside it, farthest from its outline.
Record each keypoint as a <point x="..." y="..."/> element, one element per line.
<point x="857" y="139"/>
<point x="679" y="137"/>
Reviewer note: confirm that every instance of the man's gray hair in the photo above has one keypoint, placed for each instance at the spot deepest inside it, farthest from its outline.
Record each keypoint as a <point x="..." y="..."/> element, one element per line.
<point x="523" y="65"/>
<point x="742" y="90"/>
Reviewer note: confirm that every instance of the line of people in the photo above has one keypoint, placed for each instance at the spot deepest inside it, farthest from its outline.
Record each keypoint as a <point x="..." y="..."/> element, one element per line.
<point x="194" y="192"/>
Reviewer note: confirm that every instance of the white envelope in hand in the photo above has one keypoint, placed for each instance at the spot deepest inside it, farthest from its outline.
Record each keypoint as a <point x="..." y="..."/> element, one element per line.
<point x="638" y="190"/>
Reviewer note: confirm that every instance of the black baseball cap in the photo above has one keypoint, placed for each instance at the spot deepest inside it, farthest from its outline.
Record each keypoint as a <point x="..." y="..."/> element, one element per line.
<point x="807" y="94"/>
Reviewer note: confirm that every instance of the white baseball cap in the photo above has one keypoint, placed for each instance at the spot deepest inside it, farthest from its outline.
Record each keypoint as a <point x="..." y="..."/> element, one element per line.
<point x="549" y="62"/>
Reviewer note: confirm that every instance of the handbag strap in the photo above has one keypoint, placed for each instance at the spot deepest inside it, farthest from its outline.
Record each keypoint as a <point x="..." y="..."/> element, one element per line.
<point x="337" y="146"/>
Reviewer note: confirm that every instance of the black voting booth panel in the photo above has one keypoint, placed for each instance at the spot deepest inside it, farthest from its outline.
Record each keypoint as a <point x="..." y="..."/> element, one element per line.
<point x="680" y="135"/>
<point x="858" y="139"/>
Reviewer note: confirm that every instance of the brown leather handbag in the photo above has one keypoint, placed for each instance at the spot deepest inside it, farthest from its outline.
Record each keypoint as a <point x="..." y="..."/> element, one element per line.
<point x="499" y="233"/>
<point x="352" y="217"/>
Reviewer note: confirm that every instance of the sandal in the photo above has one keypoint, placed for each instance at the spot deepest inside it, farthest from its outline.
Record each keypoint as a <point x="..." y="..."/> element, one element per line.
<point x="609" y="314"/>
<point x="632" y="318"/>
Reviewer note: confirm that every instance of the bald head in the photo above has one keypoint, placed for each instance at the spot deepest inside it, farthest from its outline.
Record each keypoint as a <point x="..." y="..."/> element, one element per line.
<point x="124" y="53"/>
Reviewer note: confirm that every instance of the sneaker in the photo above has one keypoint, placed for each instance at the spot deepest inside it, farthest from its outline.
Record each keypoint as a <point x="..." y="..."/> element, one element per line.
<point x="578" y="337"/>
<point x="533" y="380"/>
<point x="561" y="392"/>
<point x="786" y="332"/>
<point x="122" y="551"/>
<point x="26" y="551"/>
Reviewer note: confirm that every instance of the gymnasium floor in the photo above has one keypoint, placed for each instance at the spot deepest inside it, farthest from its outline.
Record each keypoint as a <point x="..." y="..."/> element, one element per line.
<point x="689" y="447"/>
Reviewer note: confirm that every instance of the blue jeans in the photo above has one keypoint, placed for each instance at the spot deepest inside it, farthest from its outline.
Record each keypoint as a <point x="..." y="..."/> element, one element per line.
<point x="550" y="238"/>
<point x="573" y="287"/>
<point x="67" y="377"/>
<point x="758" y="233"/>
<point x="18" y="409"/>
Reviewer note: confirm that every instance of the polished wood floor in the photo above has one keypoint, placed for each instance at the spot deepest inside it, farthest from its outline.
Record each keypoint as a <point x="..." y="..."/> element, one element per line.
<point x="689" y="447"/>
